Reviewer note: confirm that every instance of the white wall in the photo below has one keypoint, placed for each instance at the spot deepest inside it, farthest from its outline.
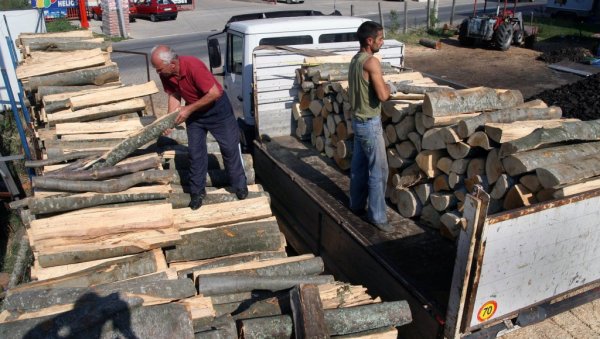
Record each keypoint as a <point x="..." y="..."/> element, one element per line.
<point x="20" y="21"/>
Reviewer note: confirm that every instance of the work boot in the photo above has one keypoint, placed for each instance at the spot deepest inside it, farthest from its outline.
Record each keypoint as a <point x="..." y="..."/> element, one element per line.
<point x="242" y="193"/>
<point x="384" y="226"/>
<point x="196" y="200"/>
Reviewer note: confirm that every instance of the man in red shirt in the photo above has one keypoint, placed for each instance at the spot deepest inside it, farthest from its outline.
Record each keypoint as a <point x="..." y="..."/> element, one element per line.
<point x="206" y="109"/>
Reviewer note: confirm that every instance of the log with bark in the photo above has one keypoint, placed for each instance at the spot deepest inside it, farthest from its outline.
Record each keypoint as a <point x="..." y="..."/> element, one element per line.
<point x="77" y="60"/>
<point x="307" y="312"/>
<point x="66" y="46"/>
<point x="262" y="235"/>
<point x="182" y="200"/>
<point x="339" y="321"/>
<point x="60" y="101"/>
<point x="569" y="131"/>
<point x="561" y="174"/>
<point x="89" y="76"/>
<point x="97" y="112"/>
<point x="443" y="103"/>
<point x="187" y="268"/>
<point x="112" y="95"/>
<point x="61" y="158"/>
<point x="214" y="285"/>
<point x="107" y="186"/>
<point x="132" y="166"/>
<point x="505" y="132"/>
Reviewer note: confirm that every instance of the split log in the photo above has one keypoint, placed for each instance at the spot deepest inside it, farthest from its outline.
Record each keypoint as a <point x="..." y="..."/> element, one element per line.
<point x="584" y="186"/>
<point x="344" y="149"/>
<point x="476" y="167"/>
<point x="427" y="160"/>
<point x="108" y="172"/>
<point x="569" y="131"/>
<point x="531" y="160"/>
<point x="442" y="201"/>
<point x="443" y="103"/>
<point x="423" y="192"/>
<point x="26" y="38"/>
<point x="339" y="321"/>
<point x="390" y="133"/>
<point x="110" y="271"/>
<point x="93" y="312"/>
<point x="60" y="101"/>
<point x="416" y="140"/>
<point x="406" y="149"/>
<point x="419" y="127"/>
<point x="132" y="143"/>
<point x="94" y="75"/>
<point x="481" y="180"/>
<point x="44" y="68"/>
<point x="441" y="183"/>
<point x="128" y="125"/>
<point x="518" y="196"/>
<point x="262" y="235"/>
<point x="107" y="186"/>
<point x="410" y="176"/>
<point x="431" y="217"/>
<point x="182" y="200"/>
<point x="220" y="214"/>
<point x="433" y="139"/>
<point x="315" y="107"/>
<point x="527" y="111"/>
<point x="413" y="89"/>
<point x="449" y="134"/>
<point x="297" y="112"/>
<point x="531" y="182"/>
<point x="455" y="179"/>
<point x="444" y="164"/>
<point x="408" y="204"/>
<point x="493" y="166"/>
<point x="307" y="312"/>
<point x="545" y="194"/>
<point x="214" y="285"/>
<point x="452" y="222"/>
<point x="404" y="127"/>
<point x="479" y="139"/>
<point x="505" y="132"/>
<point x="459" y="166"/>
<point x="112" y="95"/>
<point x="559" y="174"/>
<point x="97" y="112"/>
<point x="43" y="91"/>
<point x="461" y="150"/>
<point x="394" y="159"/>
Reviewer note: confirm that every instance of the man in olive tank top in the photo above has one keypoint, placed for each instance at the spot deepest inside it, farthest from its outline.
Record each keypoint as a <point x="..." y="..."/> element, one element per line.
<point x="367" y="89"/>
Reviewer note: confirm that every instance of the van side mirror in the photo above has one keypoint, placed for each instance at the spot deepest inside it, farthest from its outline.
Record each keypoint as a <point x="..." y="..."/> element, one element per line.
<point x="214" y="53"/>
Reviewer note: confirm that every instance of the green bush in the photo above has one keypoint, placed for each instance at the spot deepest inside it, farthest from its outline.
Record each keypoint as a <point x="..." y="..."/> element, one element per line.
<point x="60" y="25"/>
<point x="14" y="4"/>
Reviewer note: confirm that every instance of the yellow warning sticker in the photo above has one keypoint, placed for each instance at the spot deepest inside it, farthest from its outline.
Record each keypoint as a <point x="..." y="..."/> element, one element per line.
<point x="487" y="311"/>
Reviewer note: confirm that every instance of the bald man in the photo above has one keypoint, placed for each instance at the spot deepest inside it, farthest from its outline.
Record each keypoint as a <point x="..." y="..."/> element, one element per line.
<point x="206" y="109"/>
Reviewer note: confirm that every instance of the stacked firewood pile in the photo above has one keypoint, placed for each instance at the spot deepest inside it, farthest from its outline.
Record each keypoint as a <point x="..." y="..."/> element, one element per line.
<point x="118" y="252"/>
<point x="442" y="142"/>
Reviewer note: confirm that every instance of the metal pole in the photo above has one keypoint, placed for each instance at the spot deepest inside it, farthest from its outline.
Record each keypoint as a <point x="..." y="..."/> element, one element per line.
<point x="381" y="18"/>
<point x="452" y="12"/>
<point x="351" y="10"/>
<point x="121" y="19"/>
<point x="405" y="29"/>
<point x="15" y="60"/>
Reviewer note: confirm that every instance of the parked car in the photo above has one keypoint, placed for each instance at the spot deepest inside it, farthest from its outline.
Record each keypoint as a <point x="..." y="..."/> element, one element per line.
<point x="156" y="9"/>
<point x="292" y="1"/>
<point x="96" y="12"/>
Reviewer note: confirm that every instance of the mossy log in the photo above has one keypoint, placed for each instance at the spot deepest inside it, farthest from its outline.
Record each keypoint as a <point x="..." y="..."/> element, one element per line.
<point x="233" y="283"/>
<point x="108" y="172"/>
<point x="89" y="76"/>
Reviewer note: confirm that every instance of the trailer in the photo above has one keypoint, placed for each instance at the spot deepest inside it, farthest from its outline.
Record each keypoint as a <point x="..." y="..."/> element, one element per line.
<point x="505" y="271"/>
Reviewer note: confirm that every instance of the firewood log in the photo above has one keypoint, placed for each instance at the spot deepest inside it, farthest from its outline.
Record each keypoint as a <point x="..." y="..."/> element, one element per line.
<point x="518" y="196"/>
<point x="502" y="185"/>
<point x="94" y="75"/>
<point x="443" y="201"/>
<point x="427" y="160"/>
<point x="406" y="149"/>
<point x="433" y="139"/>
<point x="423" y="192"/>
<point x="479" y="139"/>
<point x="505" y="132"/>
<point x="408" y="204"/>
<point x="430" y="216"/>
<point x="440" y="183"/>
<point x="531" y="182"/>
<point x="554" y="175"/>
<point x="443" y="103"/>
<point x="444" y="164"/>
<point x="476" y="167"/>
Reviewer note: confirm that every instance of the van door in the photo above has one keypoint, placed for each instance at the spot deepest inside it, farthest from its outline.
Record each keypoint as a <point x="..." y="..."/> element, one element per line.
<point x="234" y="66"/>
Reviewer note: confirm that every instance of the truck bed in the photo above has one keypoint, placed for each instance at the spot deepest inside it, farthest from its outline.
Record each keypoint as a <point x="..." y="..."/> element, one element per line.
<point x="310" y="194"/>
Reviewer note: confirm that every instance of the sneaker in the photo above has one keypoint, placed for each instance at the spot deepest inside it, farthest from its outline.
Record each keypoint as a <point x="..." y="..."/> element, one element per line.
<point x="384" y="226"/>
<point x="242" y="193"/>
<point x="196" y="200"/>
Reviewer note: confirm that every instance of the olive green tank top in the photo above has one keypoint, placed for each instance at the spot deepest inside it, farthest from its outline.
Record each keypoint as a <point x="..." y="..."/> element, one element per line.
<point x="363" y="99"/>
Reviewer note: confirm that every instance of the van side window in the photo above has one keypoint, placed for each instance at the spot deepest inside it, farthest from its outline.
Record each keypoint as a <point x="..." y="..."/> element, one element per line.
<point x="338" y="37"/>
<point x="287" y="40"/>
<point x="235" y="52"/>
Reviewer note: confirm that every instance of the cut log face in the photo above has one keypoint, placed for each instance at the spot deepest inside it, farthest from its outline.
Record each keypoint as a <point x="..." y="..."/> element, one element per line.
<point x="476" y="167"/>
<point x="531" y="182"/>
<point x="440" y="183"/>
<point x="394" y="159"/>
<point x="404" y="127"/>
<point x="459" y="150"/>
<point x="493" y="166"/>
<point x="503" y="184"/>
<point x="406" y="149"/>
<point x="443" y="201"/>
<point x="433" y="139"/>
<point x="416" y="140"/>
<point x="427" y="161"/>
<point x="459" y="166"/>
<point x="444" y="164"/>
<point x="423" y="192"/>
<point x="479" y="139"/>
<point x="518" y="196"/>
<point x="431" y="217"/>
<point x="408" y="204"/>
<point x="585" y="185"/>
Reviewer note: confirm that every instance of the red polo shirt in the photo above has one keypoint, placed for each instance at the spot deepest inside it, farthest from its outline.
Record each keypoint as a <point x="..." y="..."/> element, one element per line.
<point x="193" y="82"/>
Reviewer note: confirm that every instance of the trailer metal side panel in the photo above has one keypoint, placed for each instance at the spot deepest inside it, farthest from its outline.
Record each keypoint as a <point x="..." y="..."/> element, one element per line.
<point x="276" y="88"/>
<point x="533" y="257"/>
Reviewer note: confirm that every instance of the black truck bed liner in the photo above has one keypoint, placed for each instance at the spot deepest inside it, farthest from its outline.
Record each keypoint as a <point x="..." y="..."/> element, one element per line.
<point x="310" y="194"/>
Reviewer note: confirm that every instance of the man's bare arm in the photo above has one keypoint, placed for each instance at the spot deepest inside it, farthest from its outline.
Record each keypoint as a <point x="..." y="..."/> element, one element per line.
<point x="373" y="69"/>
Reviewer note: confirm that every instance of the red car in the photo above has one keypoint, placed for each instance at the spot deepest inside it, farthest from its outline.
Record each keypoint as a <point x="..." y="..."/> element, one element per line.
<point x="96" y="12"/>
<point x="156" y="9"/>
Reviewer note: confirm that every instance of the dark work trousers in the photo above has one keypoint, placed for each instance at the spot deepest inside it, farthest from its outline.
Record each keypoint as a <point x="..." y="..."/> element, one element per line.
<point x="221" y="123"/>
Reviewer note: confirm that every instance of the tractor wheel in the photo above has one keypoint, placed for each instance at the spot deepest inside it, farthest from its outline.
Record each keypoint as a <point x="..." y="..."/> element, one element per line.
<point x="463" y="33"/>
<point x="503" y="36"/>
<point x="518" y="38"/>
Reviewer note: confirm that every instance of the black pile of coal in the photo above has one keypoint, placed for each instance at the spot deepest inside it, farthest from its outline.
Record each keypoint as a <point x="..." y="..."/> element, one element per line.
<point x="580" y="100"/>
<point x="575" y="54"/>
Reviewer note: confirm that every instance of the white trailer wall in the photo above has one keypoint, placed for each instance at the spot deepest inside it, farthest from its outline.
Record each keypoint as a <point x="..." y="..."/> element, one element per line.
<point x="19" y="21"/>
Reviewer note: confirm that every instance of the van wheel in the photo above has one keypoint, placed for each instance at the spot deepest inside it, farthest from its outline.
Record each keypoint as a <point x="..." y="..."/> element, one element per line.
<point x="96" y="17"/>
<point x="153" y="18"/>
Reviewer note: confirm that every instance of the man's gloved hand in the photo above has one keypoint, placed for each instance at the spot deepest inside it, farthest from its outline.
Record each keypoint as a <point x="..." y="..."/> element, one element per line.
<point x="393" y="89"/>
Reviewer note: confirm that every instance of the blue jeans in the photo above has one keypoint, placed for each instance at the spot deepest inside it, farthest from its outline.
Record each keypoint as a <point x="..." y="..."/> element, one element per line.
<point x="369" y="169"/>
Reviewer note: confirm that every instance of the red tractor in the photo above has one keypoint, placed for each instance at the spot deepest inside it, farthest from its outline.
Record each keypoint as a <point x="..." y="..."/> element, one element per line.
<point x="500" y="30"/>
